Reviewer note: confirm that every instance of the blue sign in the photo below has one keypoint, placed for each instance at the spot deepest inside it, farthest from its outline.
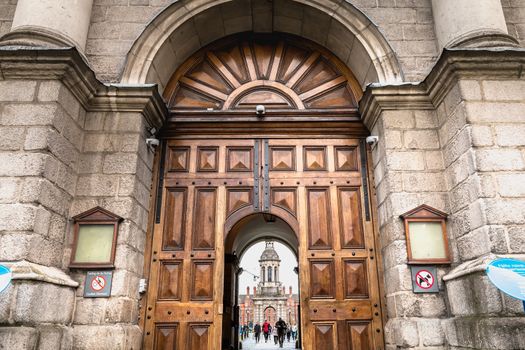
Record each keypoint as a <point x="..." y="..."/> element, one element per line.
<point x="509" y="276"/>
<point x="5" y="277"/>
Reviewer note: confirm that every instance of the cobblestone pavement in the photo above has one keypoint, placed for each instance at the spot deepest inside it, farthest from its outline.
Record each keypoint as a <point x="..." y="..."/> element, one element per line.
<point x="249" y="344"/>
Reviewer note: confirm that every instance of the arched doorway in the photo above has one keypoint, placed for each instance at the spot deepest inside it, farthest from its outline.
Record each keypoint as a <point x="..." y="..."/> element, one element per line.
<point x="252" y="228"/>
<point x="270" y="314"/>
<point x="301" y="161"/>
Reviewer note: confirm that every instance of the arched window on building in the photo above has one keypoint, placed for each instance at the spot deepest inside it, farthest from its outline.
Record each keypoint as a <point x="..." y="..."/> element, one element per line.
<point x="269" y="274"/>
<point x="263" y="274"/>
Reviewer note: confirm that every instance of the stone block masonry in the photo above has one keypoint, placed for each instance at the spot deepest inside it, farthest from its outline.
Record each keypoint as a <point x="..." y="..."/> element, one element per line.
<point x="408" y="169"/>
<point x="408" y="25"/>
<point x="59" y="158"/>
<point x="488" y="206"/>
<point x="469" y="162"/>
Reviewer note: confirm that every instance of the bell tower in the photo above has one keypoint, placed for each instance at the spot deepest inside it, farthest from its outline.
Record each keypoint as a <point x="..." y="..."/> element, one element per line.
<point x="269" y="262"/>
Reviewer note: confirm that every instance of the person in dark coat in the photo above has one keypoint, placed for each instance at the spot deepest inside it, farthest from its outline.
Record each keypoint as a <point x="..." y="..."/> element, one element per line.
<point x="281" y="331"/>
<point x="257" y="332"/>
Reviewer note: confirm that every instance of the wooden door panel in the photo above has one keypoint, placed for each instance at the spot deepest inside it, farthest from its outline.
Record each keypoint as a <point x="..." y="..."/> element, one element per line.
<point x="286" y="198"/>
<point x="238" y="198"/>
<point x="355" y="279"/>
<point x="322" y="274"/>
<point x="204" y="218"/>
<point x="359" y="336"/>
<point x="324" y="336"/>
<point x="282" y="158"/>
<point x="198" y="337"/>
<point x="166" y="337"/>
<point x="346" y="158"/>
<point x="240" y="159"/>
<point x="319" y="218"/>
<point x="170" y="280"/>
<point x="207" y="159"/>
<point x="350" y="218"/>
<point x="201" y="277"/>
<point x="175" y="224"/>
<point x="314" y="158"/>
<point x="178" y="158"/>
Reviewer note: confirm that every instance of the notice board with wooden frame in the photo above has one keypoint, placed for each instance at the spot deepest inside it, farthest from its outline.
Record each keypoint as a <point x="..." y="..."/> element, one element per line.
<point x="95" y="239"/>
<point x="426" y="235"/>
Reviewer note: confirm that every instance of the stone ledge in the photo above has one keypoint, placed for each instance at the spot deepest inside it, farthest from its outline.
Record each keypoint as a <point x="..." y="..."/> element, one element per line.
<point x="66" y="64"/>
<point x="453" y="64"/>
<point x="488" y="333"/>
<point x="25" y="270"/>
<point x="477" y="265"/>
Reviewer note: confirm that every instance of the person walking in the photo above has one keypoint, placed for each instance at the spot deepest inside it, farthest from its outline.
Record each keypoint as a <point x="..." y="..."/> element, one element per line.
<point x="275" y="335"/>
<point x="257" y="332"/>
<point x="281" y="330"/>
<point x="266" y="330"/>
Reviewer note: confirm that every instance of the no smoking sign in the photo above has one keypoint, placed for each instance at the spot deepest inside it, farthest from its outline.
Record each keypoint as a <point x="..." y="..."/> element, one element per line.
<point x="424" y="279"/>
<point x="98" y="284"/>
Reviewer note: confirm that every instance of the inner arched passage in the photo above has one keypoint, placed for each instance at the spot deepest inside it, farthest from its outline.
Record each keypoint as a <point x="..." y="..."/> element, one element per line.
<point x="242" y="235"/>
<point x="186" y="26"/>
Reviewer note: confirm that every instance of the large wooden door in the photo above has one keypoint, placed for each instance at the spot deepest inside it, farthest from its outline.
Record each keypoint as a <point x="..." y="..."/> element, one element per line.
<point x="303" y="161"/>
<point x="323" y="182"/>
<point x="319" y="183"/>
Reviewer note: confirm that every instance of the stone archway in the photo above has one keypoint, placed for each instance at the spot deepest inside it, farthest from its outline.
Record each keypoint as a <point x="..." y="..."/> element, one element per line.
<point x="186" y="26"/>
<point x="305" y="162"/>
<point x="245" y="232"/>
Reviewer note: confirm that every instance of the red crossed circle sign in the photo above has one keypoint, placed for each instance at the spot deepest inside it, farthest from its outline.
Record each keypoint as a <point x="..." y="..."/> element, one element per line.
<point x="98" y="283"/>
<point x="424" y="279"/>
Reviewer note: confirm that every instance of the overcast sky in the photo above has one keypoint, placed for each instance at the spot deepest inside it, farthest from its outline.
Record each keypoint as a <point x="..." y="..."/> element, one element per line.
<point x="250" y="262"/>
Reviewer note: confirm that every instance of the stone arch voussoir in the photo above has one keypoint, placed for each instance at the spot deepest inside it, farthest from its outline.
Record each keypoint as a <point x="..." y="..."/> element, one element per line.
<point x="186" y="26"/>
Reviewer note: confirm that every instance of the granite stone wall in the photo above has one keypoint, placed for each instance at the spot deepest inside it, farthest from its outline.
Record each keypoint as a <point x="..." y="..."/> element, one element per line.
<point x="515" y="16"/>
<point x="41" y="125"/>
<point x="408" y="172"/>
<point x="114" y="173"/>
<point x="7" y="12"/>
<point x="408" y="25"/>
<point x="56" y="161"/>
<point x="482" y="130"/>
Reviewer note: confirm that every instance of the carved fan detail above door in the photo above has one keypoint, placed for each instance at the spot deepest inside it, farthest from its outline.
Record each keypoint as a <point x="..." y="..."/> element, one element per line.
<point x="279" y="74"/>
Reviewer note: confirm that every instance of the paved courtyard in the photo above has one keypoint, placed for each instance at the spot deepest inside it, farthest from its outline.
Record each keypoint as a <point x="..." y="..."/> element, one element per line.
<point x="249" y="344"/>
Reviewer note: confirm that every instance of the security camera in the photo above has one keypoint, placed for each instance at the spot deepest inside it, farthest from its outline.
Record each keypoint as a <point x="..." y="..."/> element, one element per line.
<point x="153" y="142"/>
<point x="372" y="140"/>
<point x="260" y="110"/>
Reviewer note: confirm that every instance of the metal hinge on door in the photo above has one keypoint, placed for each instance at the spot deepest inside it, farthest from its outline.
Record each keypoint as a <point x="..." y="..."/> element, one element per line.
<point x="266" y="177"/>
<point x="261" y="179"/>
<point x="256" y="182"/>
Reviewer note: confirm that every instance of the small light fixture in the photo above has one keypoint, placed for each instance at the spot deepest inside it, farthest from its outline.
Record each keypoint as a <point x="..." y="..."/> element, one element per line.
<point x="95" y="239"/>
<point x="426" y="236"/>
